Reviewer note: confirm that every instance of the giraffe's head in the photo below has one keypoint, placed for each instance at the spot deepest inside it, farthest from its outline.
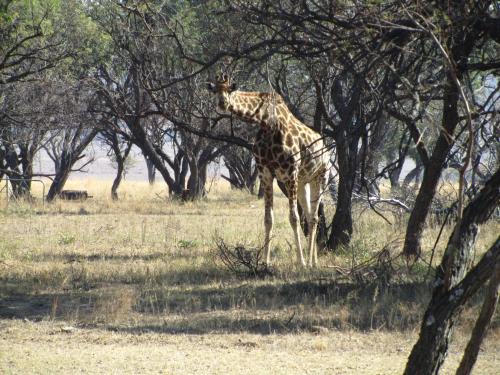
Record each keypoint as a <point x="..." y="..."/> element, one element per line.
<point x="223" y="88"/>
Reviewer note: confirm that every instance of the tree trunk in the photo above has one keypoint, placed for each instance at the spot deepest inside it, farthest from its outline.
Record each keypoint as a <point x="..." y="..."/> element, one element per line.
<point x="62" y="174"/>
<point x="394" y="178"/>
<point x="120" y="163"/>
<point x="413" y="174"/>
<point x="341" y="232"/>
<point x="429" y="353"/>
<point x="20" y="171"/>
<point x="395" y="173"/>
<point x="432" y="172"/>
<point x="151" y="170"/>
<point x="3" y="161"/>
<point x="482" y="324"/>
<point x="21" y="184"/>
<point x="242" y="170"/>
<point x="372" y="154"/>
<point x="66" y="162"/>
<point x="452" y="286"/>
<point x="193" y="183"/>
<point x="322" y="230"/>
<point x="183" y="172"/>
<point x="118" y="179"/>
<point x="197" y="179"/>
<point x="140" y="140"/>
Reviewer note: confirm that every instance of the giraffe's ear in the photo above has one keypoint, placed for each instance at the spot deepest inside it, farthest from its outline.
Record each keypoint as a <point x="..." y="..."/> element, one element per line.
<point x="211" y="87"/>
<point x="233" y="87"/>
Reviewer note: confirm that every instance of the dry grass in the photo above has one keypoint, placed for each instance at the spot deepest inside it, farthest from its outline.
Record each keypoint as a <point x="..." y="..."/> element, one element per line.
<point x="136" y="273"/>
<point x="51" y="347"/>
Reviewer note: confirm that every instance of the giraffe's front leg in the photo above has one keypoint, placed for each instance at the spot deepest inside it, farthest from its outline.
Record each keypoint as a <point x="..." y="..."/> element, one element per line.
<point x="267" y="182"/>
<point x="294" y="218"/>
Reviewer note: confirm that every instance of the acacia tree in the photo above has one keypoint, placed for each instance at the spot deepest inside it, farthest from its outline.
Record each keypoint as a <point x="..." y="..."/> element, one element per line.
<point x="122" y="86"/>
<point x="76" y="129"/>
<point x="30" y="48"/>
<point x="29" y="45"/>
<point x="46" y="50"/>
<point x="242" y="172"/>
<point x="467" y="28"/>
<point x="187" y="107"/>
<point x="119" y="148"/>
<point x="157" y="91"/>
<point x="23" y="128"/>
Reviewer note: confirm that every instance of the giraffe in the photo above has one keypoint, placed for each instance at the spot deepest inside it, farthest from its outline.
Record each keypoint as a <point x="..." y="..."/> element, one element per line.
<point x="285" y="149"/>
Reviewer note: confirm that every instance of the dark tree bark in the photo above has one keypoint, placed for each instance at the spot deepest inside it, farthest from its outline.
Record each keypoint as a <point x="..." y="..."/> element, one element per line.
<point x="180" y="167"/>
<point x="394" y="177"/>
<point x="432" y="172"/>
<point x="66" y="161"/>
<point x="260" y="194"/>
<point x="461" y="40"/>
<point x="396" y="160"/>
<point x="151" y="170"/>
<point x="242" y="170"/>
<point x="196" y="181"/>
<point x="342" y="229"/>
<point x="120" y="158"/>
<point x="346" y="134"/>
<point x="3" y="165"/>
<point x="413" y="175"/>
<point x="482" y="324"/>
<point x="372" y="154"/>
<point x="430" y="351"/>
<point x="140" y="139"/>
<point x="453" y="285"/>
<point x="20" y="172"/>
<point x="198" y="165"/>
<point x="18" y="166"/>
<point x="132" y="105"/>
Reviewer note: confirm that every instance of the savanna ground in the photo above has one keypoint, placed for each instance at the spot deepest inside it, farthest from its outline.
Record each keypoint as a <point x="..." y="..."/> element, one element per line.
<point x="135" y="286"/>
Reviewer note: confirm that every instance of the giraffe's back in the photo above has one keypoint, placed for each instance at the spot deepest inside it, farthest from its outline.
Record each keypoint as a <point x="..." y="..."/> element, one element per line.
<point x="290" y="149"/>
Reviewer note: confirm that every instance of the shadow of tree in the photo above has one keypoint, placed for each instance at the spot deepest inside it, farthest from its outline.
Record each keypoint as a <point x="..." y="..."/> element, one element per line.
<point x="269" y="307"/>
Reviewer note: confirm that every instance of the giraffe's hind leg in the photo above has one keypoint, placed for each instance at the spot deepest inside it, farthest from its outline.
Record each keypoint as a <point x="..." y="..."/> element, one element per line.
<point x="317" y="188"/>
<point x="304" y="199"/>
<point x="294" y="217"/>
<point x="266" y="179"/>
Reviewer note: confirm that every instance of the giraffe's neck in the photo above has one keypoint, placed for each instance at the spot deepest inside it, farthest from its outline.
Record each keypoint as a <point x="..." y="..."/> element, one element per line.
<point x="269" y="112"/>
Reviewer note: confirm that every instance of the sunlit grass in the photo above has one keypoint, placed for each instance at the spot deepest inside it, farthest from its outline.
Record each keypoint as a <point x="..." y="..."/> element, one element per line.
<point x="145" y="257"/>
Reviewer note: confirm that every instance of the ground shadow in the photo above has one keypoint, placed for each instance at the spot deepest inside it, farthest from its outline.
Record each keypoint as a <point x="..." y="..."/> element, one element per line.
<point x="97" y="257"/>
<point x="276" y="306"/>
<point x="265" y="307"/>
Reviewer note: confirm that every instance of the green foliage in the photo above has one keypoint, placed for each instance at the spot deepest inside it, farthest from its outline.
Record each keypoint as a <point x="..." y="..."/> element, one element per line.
<point x="187" y="244"/>
<point x="66" y="239"/>
<point x="48" y="33"/>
